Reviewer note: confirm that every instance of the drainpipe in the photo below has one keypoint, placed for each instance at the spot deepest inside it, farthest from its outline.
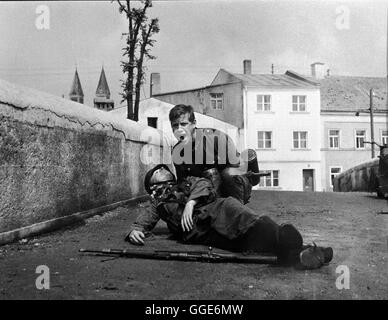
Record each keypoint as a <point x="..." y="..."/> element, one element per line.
<point x="245" y="116"/>
<point x="372" y="133"/>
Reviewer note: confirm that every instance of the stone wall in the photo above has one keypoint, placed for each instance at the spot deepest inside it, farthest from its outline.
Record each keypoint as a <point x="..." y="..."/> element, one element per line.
<point x="58" y="157"/>
<point x="360" y="178"/>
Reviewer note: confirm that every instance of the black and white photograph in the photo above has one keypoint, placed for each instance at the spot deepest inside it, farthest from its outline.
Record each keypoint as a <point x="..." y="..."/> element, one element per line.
<point x="195" y="154"/>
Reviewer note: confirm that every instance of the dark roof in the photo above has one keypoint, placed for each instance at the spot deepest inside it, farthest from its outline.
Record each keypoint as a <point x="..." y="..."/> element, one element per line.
<point x="347" y="93"/>
<point x="76" y="89"/>
<point x="290" y="79"/>
<point x="102" y="87"/>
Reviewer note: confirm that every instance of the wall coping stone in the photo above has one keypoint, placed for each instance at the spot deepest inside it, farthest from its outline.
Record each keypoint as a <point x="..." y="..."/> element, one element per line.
<point x="24" y="98"/>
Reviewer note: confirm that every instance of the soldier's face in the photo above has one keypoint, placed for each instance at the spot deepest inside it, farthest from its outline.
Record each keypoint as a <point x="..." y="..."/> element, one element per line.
<point x="182" y="128"/>
<point x="161" y="183"/>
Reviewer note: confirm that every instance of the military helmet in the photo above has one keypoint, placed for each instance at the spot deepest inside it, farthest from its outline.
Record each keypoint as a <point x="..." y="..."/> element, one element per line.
<point x="149" y="174"/>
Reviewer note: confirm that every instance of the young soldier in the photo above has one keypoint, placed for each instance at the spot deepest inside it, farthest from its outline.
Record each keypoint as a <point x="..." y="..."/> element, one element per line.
<point x="194" y="214"/>
<point x="212" y="154"/>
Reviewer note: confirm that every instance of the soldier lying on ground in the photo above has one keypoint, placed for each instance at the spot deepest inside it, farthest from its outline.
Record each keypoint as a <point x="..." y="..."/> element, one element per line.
<point x="195" y="214"/>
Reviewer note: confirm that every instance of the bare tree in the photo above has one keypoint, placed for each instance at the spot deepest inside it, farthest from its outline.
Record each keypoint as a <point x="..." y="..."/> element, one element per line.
<point x="138" y="43"/>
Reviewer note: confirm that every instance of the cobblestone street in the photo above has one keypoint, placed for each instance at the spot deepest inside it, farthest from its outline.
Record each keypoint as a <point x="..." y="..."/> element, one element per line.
<point x="354" y="224"/>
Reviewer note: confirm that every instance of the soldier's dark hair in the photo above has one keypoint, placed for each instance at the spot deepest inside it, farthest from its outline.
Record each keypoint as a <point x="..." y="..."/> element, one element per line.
<point x="181" y="109"/>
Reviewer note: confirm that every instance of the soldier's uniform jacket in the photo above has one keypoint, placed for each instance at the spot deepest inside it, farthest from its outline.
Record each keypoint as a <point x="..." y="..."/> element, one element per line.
<point x="227" y="216"/>
<point x="211" y="149"/>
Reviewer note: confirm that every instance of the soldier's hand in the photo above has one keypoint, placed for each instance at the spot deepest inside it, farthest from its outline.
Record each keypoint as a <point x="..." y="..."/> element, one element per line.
<point x="187" y="216"/>
<point x="153" y="194"/>
<point x="136" y="237"/>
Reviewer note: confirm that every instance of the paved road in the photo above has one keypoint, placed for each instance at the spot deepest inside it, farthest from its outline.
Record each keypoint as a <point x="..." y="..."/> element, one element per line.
<point x="352" y="223"/>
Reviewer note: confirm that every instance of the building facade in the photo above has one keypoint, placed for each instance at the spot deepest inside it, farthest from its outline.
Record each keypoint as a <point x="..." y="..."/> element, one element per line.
<point x="221" y="101"/>
<point x="281" y="125"/>
<point x="305" y="129"/>
<point x="261" y="106"/>
<point x="346" y="122"/>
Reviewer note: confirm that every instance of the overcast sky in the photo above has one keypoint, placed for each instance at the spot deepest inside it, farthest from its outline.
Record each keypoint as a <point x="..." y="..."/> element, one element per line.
<point x="196" y="39"/>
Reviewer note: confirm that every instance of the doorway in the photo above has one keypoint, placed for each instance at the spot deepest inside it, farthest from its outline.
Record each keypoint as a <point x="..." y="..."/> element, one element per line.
<point x="308" y="179"/>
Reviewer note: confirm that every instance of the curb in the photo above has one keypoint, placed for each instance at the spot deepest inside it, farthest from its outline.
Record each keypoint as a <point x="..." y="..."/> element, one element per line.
<point x="58" y="223"/>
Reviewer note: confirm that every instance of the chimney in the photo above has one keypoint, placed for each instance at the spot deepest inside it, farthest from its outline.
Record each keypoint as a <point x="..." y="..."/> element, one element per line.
<point x="247" y="67"/>
<point x="317" y="70"/>
<point x="155" y="84"/>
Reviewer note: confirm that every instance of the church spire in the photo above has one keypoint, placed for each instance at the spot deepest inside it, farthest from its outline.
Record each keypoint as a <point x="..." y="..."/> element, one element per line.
<point x="76" y="94"/>
<point x="102" y="100"/>
<point x="102" y="87"/>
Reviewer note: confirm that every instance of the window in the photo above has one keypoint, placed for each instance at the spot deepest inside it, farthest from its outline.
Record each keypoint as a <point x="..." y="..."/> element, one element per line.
<point x="298" y="103"/>
<point x="334" y="171"/>
<point x="264" y="139"/>
<point x="270" y="181"/>
<point x="334" y="136"/>
<point x="152" y="122"/>
<point x="300" y="139"/>
<point x="216" y="100"/>
<point x="360" y="138"/>
<point x="384" y="137"/>
<point x="263" y="102"/>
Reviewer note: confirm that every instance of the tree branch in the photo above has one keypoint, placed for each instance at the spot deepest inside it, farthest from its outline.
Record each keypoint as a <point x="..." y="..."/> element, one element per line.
<point x="136" y="50"/>
<point x="121" y="7"/>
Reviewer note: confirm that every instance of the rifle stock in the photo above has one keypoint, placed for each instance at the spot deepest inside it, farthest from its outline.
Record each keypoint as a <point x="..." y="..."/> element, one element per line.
<point x="200" y="256"/>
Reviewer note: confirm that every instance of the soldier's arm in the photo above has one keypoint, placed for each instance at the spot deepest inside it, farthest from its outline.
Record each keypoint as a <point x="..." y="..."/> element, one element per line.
<point x="201" y="190"/>
<point x="145" y="222"/>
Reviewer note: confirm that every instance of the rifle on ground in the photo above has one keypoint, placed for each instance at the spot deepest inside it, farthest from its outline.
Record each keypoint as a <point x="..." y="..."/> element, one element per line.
<point x="200" y="256"/>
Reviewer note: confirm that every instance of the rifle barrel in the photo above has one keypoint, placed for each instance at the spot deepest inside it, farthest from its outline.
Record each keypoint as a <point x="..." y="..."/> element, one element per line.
<point x="260" y="174"/>
<point x="199" y="256"/>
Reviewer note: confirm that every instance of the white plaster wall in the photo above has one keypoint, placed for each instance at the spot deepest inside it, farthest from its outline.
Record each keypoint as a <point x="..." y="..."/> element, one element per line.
<point x="282" y="121"/>
<point x="291" y="174"/>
